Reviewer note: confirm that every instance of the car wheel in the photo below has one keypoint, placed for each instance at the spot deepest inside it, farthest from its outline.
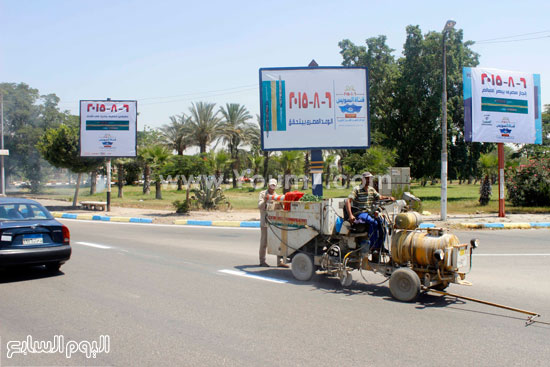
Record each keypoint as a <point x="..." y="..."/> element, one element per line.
<point x="53" y="267"/>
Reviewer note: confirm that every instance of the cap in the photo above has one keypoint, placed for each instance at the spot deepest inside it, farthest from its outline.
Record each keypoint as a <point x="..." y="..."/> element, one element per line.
<point x="273" y="182"/>
<point x="367" y="174"/>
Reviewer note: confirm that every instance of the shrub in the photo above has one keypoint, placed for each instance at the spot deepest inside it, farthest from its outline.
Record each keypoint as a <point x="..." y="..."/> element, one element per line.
<point x="529" y="184"/>
<point x="485" y="191"/>
<point x="182" y="207"/>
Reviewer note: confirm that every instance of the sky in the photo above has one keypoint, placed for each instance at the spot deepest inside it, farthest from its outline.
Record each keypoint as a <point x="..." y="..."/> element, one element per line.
<point x="167" y="54"/>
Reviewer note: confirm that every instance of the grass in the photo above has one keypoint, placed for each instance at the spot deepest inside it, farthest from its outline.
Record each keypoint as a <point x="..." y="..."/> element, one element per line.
<point x="460" y="198"/>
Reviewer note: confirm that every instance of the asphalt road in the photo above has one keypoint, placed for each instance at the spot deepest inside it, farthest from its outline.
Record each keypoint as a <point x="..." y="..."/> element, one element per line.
<point x="168" y="295"/>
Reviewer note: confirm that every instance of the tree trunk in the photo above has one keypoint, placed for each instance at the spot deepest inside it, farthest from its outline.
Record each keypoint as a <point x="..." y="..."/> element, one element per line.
<point x="77" y="188"/>
<point x="180" y="183"/>
<point x="93" y="182"/>
<point x="120" y="180"/>
<point x="233" y="176"/>
<point x="146" y="183"/>
<point x="158" y="192"/>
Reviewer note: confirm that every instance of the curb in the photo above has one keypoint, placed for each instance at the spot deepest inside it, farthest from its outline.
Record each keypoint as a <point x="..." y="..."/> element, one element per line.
<point x="505" y="225"/>
<point x="102" y="218"/>
<point x="256" y="224"/>
<point x="218" y="223"/>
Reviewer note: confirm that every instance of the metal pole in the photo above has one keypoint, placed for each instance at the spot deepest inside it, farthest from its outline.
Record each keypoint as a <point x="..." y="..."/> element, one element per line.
<point x="444" y="137"/>
<point x="108" y="180"/>
<point x="109" y="184"/>
<point x="2" y="177"/>
<point x="501" y="212"/>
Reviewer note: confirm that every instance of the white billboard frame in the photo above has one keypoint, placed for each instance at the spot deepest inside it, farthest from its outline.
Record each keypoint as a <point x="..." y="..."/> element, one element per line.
<point x="338" y="123"/>
<point x="502" y="106"/>
<point x="108" y="128"/>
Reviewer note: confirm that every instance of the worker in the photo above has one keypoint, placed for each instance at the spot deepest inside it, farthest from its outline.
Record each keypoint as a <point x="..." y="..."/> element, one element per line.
<point x="362" y="200"/>
<point x="262" y="202"/>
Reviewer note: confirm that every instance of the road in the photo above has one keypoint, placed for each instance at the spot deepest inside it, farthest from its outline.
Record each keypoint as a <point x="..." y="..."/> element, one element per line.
<point x="168" y="295"/>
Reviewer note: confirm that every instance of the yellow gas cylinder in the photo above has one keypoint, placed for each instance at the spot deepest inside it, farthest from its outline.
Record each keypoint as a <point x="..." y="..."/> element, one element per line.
<point x="410" y="220"/>
<point x="419" y="247"/>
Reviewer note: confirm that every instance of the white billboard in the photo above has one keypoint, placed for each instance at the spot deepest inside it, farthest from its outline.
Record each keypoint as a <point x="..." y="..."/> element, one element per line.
<point x="108" y="128"/>
<point x="502" y="106"/>
<point x="314" y="108"/>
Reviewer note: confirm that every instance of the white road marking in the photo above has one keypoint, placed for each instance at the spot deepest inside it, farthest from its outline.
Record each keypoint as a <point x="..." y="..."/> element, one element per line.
<point x="162" y="225"/>
<point x="248" y="275"/>
<point x="475" y="255"/>
<point x="94" y="245"/>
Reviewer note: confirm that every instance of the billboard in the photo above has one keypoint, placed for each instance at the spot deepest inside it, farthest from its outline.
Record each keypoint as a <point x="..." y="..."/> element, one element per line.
<point x="108" y="128"/>
<point x="502" y="106"/>
<point x="314" y="108"/>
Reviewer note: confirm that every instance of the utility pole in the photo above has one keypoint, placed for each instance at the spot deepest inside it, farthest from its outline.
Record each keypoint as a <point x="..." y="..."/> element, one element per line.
<point x="448" y="26"/>
<point x="2" y="177"/>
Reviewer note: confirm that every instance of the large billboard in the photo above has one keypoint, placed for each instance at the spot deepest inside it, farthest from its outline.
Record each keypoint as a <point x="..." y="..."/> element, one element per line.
<point x="314" y="108"/>
<point x="502" y="106"/>
<point x="108" y="128"/>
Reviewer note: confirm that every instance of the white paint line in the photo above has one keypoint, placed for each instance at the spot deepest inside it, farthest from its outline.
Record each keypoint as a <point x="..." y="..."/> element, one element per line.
<point x="514" y="255"/>
<point x="162" y="225"/>
<point x="248" y="275"/>
<point x="94" y="245"/>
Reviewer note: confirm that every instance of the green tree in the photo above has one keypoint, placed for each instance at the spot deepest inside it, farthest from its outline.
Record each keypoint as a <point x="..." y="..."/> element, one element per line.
<point x="203" y="127"/>
<point x="157" y="157"/>
<point x="233" y="131"/>
<point x="383" y="74"/>
<point x="26" y="116"/>
<point x="175" y="134"/>
<point x="60" y="147"/>
<point x="145" y="139"/>
<point x="290" y="162"/>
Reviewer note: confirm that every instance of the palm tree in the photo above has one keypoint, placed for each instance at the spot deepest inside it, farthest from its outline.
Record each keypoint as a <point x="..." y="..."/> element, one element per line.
<point x="233" y="131"/>
<point x="290" y="161"/>
<point x="203" y="127"/>
<point x="157" y="157"/>
<point x="175" y="134"/>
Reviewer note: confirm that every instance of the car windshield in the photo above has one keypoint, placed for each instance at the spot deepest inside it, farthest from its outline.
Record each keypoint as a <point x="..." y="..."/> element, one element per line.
<point x="23" y="212"/>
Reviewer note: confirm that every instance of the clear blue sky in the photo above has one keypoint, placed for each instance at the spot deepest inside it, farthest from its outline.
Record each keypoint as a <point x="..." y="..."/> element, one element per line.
<point x="167" y="54"/>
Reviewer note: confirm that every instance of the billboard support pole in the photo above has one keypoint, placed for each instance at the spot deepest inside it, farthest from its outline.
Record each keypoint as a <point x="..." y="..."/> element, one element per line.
<point x="108" y="184"/>
<point x="501" y="212"/>
<point x="316" y="161"/>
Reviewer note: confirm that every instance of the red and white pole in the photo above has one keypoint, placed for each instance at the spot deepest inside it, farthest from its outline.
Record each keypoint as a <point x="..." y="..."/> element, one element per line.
<point x="501" y="212"/>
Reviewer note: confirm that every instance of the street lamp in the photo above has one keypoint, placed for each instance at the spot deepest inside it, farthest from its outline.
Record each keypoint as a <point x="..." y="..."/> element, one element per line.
<point x="448" y="26"/>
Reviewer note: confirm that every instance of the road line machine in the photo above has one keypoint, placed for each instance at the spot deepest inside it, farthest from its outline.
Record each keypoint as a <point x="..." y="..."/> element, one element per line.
<point x="314" y="236"/>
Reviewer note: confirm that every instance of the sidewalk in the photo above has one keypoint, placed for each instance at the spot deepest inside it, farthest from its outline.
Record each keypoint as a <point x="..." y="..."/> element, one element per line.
<point x="249" y="218"/>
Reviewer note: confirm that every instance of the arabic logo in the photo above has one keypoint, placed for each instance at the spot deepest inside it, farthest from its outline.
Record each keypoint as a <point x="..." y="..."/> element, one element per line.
<point x="486" y="119"/>
<point x="107" y="140"/>
<point x="505" y="131"/>
<point x="350" y="108"/>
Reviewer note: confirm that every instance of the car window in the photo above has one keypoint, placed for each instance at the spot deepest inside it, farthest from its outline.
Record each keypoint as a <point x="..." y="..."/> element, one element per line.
<point x="22" y="212"/>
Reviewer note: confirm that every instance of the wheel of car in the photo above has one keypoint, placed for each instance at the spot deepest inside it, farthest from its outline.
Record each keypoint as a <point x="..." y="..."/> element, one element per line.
<point x="302" y="266"/>
<point x="404" y="284"/>
<point x="53" y="267"/>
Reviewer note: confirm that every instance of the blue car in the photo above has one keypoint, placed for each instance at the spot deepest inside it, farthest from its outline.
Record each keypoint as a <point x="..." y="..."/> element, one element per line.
<point x="31" y="236"/>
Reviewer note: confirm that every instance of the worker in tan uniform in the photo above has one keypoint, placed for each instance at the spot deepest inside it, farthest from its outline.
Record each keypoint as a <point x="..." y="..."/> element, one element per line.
<point x="262" y="202"/>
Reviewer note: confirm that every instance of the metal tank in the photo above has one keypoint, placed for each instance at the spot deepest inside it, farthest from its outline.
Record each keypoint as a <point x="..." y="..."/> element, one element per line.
<point x="420" y="247"/>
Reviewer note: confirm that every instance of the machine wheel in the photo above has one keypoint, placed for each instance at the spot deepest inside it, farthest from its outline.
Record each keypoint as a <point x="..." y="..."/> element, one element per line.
<point x="440" y="286"/>
<point x="346" y="279"/>
<point x="404" y="284"/>
<point x="302" y="266"/>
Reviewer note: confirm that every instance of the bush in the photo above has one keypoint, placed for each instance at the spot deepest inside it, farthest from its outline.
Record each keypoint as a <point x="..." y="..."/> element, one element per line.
<point x="182" y="207"/>
<point x="485" y="191"/>
<point x="529" y="185"/>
